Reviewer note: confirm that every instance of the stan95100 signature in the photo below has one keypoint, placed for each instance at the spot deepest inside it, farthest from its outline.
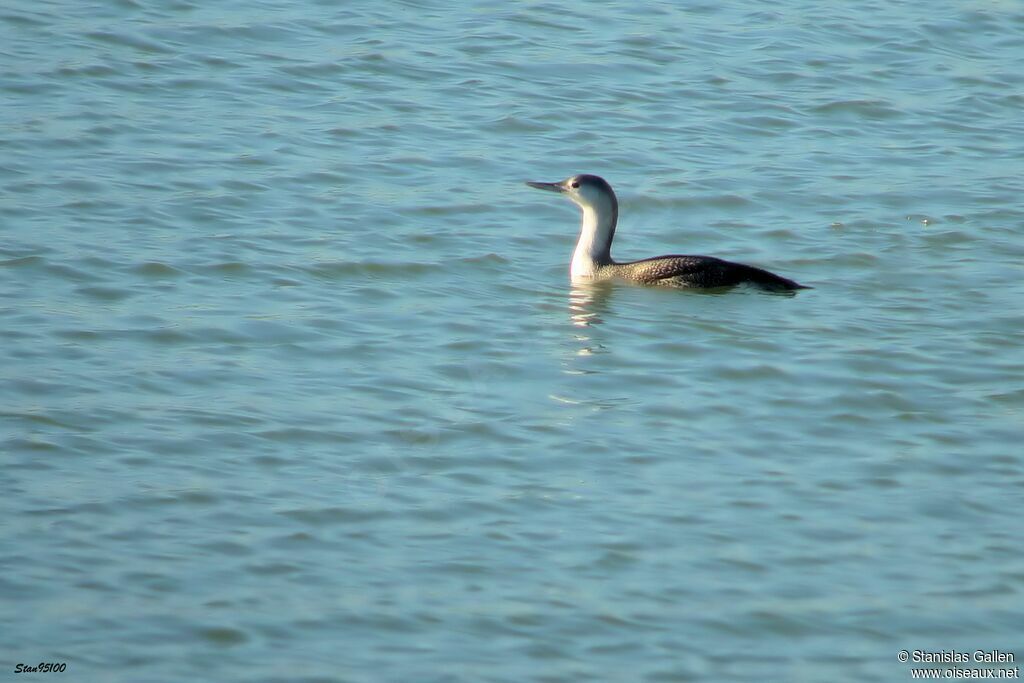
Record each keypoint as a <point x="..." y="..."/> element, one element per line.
<point x="40" y="668"/>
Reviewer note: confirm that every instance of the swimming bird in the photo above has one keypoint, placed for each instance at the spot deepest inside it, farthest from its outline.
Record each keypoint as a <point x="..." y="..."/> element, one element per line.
<point x="593" y="261"/>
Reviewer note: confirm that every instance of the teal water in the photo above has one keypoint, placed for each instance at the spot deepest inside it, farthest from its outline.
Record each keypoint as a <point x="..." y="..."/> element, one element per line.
<point x="296" y="387"/>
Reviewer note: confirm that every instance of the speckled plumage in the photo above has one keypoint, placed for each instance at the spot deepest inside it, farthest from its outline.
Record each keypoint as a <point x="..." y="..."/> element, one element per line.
<point x="592" y="259"/>
<point x="694" y="271"/>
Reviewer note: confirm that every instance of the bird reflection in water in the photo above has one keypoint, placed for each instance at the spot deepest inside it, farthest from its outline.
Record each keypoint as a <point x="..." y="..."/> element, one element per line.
<point x="587" y="303"/>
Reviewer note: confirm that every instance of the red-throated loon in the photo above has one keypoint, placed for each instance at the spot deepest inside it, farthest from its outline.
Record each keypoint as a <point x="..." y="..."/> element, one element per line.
<point x="592" y="259"/>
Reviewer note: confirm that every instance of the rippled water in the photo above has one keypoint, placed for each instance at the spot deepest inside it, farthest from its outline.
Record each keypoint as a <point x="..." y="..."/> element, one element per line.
<point x="296" y="387"/>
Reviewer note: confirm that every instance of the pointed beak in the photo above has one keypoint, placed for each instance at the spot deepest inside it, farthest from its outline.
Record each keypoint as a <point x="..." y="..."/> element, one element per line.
<point x="550" y="187"/>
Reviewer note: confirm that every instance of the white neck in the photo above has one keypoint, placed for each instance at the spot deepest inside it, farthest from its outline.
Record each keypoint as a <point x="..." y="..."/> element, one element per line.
<point x="597" y="229"/>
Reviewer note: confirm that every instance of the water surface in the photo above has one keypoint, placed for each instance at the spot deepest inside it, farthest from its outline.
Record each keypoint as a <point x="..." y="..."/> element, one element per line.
<point x="297" y="389"/>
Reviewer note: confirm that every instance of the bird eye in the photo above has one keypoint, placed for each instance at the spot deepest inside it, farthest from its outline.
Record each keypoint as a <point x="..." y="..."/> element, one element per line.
<point x="575" y="184"/>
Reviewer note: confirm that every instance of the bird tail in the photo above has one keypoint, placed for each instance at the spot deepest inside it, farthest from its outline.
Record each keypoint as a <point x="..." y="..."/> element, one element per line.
<point x="772" y="281"/>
